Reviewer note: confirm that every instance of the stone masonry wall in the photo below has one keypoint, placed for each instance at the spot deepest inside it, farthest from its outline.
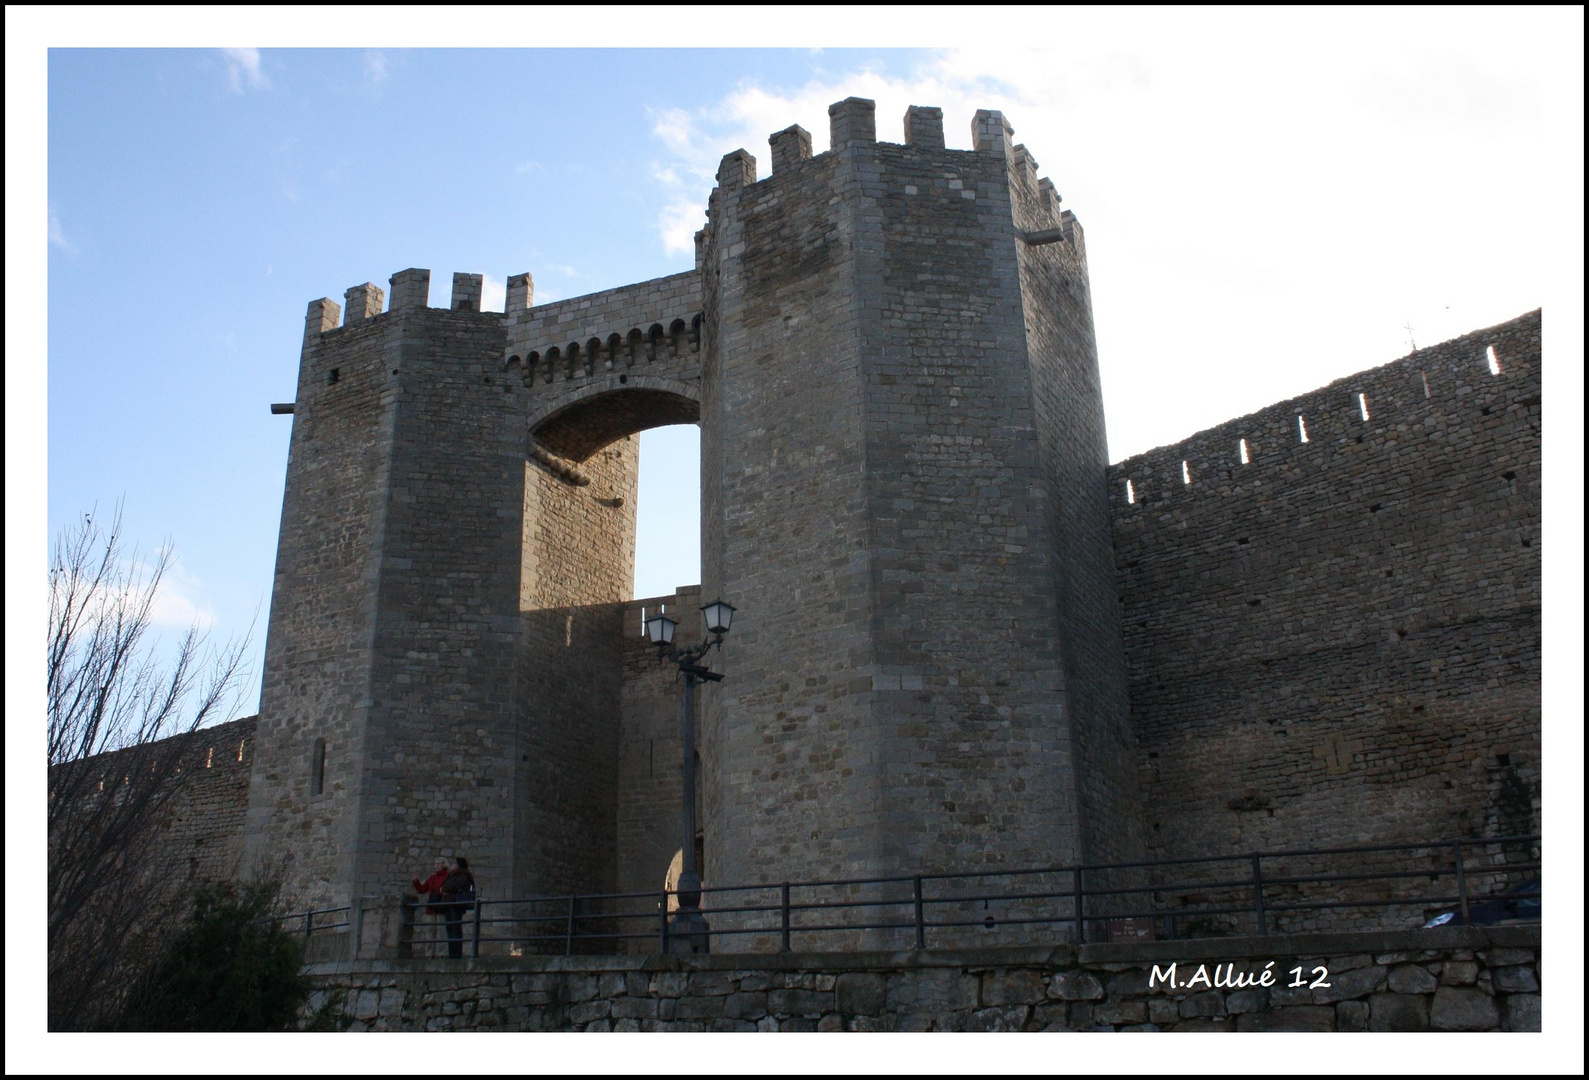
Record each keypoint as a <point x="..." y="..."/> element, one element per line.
<point x="1463" y="979"/>
<point x="1339" y="642"/>
<point x="203" y="826"/>
<point x="1067" y="399"/>
<point x="872" y="478"/>
<point x="317" y="651"/>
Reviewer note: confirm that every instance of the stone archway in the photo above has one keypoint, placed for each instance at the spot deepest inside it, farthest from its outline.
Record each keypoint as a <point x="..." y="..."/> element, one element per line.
<point x="576" y="425"/>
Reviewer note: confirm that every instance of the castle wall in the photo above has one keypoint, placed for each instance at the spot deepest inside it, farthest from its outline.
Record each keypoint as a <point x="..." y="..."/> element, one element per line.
<point x="578" y="568"/>
<point x="650" y="751"/>
<point x="1067" y="398"/>
<point x="203" y="825"/>
<point x="1339" y="643"/>
<point x="874" y="496"/>
<point x="318" y="640"/>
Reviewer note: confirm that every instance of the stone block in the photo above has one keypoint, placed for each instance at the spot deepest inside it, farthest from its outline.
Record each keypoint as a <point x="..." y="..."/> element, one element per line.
<point x="626" y="1024"/>
<point x="831" y="1022"/>
<point x="367" y="1006"/>
<point x="1520" y="1012"/>
<point x="1120" y="1012"/>
<point x="1349" y="984"/>
<point x="1012" y="987"/>
<point x="586" y="1011"/>
<point x="1075" y="986"/>
<point x="1507" y="957"/>
<point x="1208" y="1003"/>
<point x="391" y="1002"/>
<point x="1163" y="1010"/>
<point x="1514" y="980"/>
<point x="635" y="1008"/>
<point x="933" y="988"/>
<point x="1411" y="979"/>
<point x="1351" y="1016"/>
<point x="999" y="1018"/>
<point x="799" y="1002"/>
<point x="1459" y="973"/>
<point x="1463" y="1009"/>
<point x="1252" y="999"/>
<point x="743" y="1006"/>
<point x="691" y="1007"/>
<point x="859" y="993"/>
<point x="1131" y="983"/>
<point x="612" y="983"/>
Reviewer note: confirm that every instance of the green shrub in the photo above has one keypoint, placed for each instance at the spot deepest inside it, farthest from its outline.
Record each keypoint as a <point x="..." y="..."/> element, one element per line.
<point x="231" y="967"/>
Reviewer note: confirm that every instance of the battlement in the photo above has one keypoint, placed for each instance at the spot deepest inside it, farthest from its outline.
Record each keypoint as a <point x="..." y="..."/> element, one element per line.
<point x="852" y="126"/>
<point x="1451" y="384"/>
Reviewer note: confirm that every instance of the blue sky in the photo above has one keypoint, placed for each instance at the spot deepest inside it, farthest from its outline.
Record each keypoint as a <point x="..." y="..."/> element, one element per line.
<point x="1245" y="245"/>
<point x="1270" y="199"/>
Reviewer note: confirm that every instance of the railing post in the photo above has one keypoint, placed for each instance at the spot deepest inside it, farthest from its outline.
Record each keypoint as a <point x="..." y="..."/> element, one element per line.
<point x="1462" y="883"/>
<point x="357" y="927"/>
<point x="477" y="926"/>
<point x="663" y="908"/>
<point x="1257" y="892"/>
<point x="784" y="944"/>
<point x="308" y="927"/>
<point x="921" y="913"/>
<point x="568" y="949"/>
<point x="1081" y="919"/>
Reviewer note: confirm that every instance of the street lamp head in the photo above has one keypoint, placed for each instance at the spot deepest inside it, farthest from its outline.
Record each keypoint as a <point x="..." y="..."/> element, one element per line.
<point x="659" y="629"/>
<point x="718" y="616"/>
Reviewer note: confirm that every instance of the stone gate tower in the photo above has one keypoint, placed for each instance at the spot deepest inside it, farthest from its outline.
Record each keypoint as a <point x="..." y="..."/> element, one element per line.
<point x="889" y="349"/>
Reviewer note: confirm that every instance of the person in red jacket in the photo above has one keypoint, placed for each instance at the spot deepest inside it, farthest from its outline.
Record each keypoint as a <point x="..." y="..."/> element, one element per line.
<point x="430" y="894"/>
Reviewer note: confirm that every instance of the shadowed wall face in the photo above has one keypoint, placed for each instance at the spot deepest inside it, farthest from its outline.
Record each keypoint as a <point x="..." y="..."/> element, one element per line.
<point x="1338" y="642"/>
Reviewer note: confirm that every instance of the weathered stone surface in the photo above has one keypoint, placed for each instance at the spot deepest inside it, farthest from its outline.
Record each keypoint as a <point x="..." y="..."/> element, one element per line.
<point x="1121" y="1012"/>
<point x="1502" y="957"/>
<point x="831" y="1022"/>
<point x="1246" y="1001"/>
<point x="1207" y="1023"/>
<point x="1461" y="1009"/>
<point x="1208" y="1003"/>
<point x="1016" y="987"/>
<point x="1351" y="1016"/>
<point x="800" y="1002"/>
<point x="1130" y="983"/>
<point x="1353" y="983"/>
<point x="1075" y="986"/>
<point x="744" y="1006"/>
<point x="391" y="1003"/>
<point x="637" y="1008"/>
<point x="1412" y="979"/>
<point x="1514" y="980"/>
<point x="1459" y="973"/>
<point x="691" y="1007"/>
<point x="999" y="1018"/>
<point x="859" y="993"/>
<point x="1521" y="1012"/>
<point x="1163" y="1010"/>
<point x="368" y="1005"/>
<point x="935" y="988"/>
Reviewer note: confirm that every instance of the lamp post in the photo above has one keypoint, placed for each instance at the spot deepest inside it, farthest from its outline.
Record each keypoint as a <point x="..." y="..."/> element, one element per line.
<point x="689" y="929"/>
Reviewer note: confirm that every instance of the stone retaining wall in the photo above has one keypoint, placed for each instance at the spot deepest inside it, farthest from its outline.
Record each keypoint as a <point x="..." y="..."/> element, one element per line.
<point x="1447" y="979"/>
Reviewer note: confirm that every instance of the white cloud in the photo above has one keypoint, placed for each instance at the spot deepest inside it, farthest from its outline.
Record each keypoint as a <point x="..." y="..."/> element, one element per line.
<point x="374" y="67"/>
<point x="530" y="166"/>
<point x="493" y="293"/>
<point x="175" y="606"/>
<point x="681" y="220"/>
<point x="242" y="70"/>
<point x="57" y="234"/>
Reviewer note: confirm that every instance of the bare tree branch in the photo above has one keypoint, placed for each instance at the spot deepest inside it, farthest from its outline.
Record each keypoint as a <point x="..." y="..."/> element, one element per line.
<point x="117" y="727"/>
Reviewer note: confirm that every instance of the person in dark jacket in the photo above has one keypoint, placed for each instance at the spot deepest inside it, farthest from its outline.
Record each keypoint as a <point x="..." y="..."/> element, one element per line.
<point x="429" y="892"/>
<point x="457" y="896"/>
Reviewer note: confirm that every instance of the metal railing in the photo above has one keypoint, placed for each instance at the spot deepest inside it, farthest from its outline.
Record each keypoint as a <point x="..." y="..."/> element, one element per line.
<point x="1381" y="887"/>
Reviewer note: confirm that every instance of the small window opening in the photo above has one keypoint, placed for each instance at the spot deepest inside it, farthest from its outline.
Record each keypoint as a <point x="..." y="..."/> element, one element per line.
<point x="568" y="631"/>
<point x="240" y="746"/>
<point x="1131" y="494"/>
<point x="1362" y="405"/>
<point x="209" y="758"/>
<point x="317" y="768"/>
<point x="1302" y="428"/>
<point x="1246" y="458"/>
<point x="1503" y="760"/>
<point x="1186" y="473"/>
<point x="642" y="620"/>
<point x="333" y="375"/>
<point x="1425" y="377"/>
<point x="1495" y="363"/>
